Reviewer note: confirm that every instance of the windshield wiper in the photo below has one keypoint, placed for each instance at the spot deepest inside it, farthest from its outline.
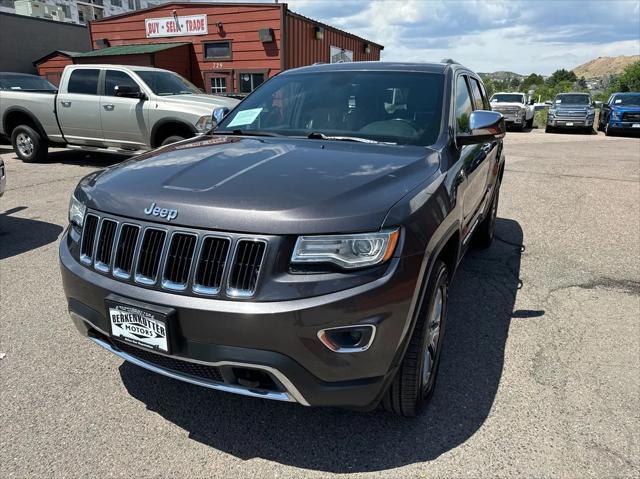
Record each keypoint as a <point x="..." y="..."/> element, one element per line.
<point x="245" y="133"/>
<point x="316" y="135"/>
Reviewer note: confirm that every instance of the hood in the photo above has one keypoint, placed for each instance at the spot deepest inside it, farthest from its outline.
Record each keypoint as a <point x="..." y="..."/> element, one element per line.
<point x="621" y="108"/>
<point x="206" y="102"/>
<point x="264" y="185"/>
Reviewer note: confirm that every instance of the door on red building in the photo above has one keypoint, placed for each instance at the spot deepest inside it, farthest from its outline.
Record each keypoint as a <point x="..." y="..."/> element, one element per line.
<point x="217" y="83"/>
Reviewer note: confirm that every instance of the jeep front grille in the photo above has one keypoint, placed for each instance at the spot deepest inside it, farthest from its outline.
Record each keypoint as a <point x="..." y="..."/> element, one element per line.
<point x="150" y="255"/>
<point x="125" y="249"/>
<point x="172" y="258"/>
<point x="211" y="263"/>
<point x="88" y="238"/>
<point x="178" y="265"/>
<point x="246" y="267"/>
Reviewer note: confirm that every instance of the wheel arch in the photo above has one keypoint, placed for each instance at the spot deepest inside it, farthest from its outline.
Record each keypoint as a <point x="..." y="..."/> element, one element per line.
<point x="16" y="116"/>
<point x="159" y="130"/>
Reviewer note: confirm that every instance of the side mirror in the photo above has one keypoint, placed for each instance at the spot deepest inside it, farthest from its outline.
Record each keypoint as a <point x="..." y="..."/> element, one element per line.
<point x="483" y="126"/>
<point x="531" y="101"/>
<point x="218" y="115"/>
<point x="129" y="91"/>
<point x="548" y="103"/>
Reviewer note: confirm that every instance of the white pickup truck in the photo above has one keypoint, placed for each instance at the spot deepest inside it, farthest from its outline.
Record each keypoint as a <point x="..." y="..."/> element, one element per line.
<point x="515" y="107"/>
<point x="119" y="107"/>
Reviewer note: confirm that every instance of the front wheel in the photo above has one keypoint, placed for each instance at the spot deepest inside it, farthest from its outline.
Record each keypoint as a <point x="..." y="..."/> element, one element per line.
<point x="548" y="129"/>
<point x="415" y="381"/>
<point x="28" y="144"/>
<point x="171" y="139"/>
<point x="607" y="130"/>
<point x="530" y="123"/>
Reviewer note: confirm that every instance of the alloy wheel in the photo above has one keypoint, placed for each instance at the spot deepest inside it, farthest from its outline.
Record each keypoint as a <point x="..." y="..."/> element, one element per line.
<point x="434" y="321"/>
<point x="24" y="144"/>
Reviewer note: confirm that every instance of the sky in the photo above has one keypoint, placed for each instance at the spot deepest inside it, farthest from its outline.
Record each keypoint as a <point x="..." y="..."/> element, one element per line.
<point x="533" y="36"/>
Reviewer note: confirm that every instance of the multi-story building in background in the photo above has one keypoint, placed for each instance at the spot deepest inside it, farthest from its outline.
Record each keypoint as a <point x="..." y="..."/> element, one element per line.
<point x="73" y="11"/>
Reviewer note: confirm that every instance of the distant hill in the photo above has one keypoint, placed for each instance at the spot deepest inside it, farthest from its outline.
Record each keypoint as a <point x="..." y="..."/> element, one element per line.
<point x="501" y="76"/>
<point x="604" y="66"/>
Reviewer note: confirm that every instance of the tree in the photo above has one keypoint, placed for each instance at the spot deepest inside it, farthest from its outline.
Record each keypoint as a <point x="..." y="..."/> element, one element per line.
<point x="560" y="76"/>
<point x="629" y="80"/>
<point x="531" y="81"/>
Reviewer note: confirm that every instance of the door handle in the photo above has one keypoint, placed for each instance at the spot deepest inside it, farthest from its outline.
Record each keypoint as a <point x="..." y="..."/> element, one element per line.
<point x="66" y="104"/>
<point x="108" y="107"/>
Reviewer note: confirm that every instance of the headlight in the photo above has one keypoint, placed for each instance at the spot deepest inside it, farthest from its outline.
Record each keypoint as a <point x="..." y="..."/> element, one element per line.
<point x="205" y="123"/>
<point x="347" y="251"/>
<point x="615" y="115"/>
<point x="552" y="111"/>
<point x="76" y="212"/>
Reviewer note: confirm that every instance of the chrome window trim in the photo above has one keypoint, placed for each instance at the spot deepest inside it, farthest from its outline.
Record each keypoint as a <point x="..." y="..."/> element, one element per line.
<point x="238" y="293"/>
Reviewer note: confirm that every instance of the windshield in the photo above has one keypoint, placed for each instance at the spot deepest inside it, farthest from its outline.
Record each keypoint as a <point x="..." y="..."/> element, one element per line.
<point x="507" y="98"/>
<point x="573" y="100"/>
<point x="393" y="107"/>
<point x="627" y="100"/>
<point x="167" y="83"/>
<point x="25" y="82"/>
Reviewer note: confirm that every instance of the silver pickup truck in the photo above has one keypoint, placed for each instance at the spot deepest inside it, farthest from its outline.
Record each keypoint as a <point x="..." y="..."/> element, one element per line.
<point x="106" y="106"/>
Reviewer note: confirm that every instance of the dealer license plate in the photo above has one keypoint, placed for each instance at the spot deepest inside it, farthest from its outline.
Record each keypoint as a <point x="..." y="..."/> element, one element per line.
<point x="139" y="326"/>
<point x="635" y="125"/>
<point x="569" y="123"/>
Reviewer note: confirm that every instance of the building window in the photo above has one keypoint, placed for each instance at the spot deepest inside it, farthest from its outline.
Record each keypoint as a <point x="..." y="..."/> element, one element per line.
<point x="116" y="3"/>
<point x="218" y="85"/>
<point x="66" y="8"/>
<point x="7" y="3"/>
<point x="217" y="50"/>
<point x="250" y="81"/>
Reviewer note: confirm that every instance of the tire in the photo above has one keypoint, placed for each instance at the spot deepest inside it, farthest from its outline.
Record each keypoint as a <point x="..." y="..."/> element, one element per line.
<point x="607" y="130"/>
<point x="171" y="139"/>
<point x="486" y="229"/>
<point x="413" y="385"/>
<point x="28" y="144"/>
<point x="549" y="129"/>
<point x="530" y="123"/>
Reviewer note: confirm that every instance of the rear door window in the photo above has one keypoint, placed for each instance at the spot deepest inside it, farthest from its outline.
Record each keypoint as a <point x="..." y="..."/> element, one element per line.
<point x="84" y="81"/>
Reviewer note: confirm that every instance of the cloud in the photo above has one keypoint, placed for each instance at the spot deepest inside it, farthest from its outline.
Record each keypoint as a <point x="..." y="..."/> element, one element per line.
<point x="533" y="36"/>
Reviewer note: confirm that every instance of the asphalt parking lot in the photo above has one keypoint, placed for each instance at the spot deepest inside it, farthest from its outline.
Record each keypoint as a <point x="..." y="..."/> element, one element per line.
<point x="540" y="373"/>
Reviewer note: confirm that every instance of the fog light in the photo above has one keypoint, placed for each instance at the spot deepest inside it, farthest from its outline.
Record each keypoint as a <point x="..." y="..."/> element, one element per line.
<point x="348" y="339"/>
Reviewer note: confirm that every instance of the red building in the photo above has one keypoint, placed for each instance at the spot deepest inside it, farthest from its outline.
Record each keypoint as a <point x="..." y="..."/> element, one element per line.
<point x="221" y="47"/>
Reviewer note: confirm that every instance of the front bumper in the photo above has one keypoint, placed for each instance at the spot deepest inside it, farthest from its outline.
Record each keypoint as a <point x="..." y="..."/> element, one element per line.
<point x="277" y="337"/>
<point x="570" y="122"/>
<point x="624" y="125"/>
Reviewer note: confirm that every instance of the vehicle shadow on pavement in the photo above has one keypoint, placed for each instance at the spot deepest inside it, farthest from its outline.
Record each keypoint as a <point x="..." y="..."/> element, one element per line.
<point x="84" y="158"/>
<point x="333" y="440"/>
<point x="19" y="235"/>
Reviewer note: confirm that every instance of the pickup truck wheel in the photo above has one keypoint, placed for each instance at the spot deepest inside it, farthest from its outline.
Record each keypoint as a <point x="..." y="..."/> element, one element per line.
<point x="171" y="139"/>
<point x="415" y="380"/>
<point x="548" y="129"/>
<point x="607" y="130"/>
<point x="530" y="123"/>
<point x="484" y="234"/>
<point x="28" y="144"/>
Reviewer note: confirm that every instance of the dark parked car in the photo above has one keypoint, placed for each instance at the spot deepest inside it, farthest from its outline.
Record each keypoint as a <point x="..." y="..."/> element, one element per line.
<point x="304" y="250"/>
<point x="571" y="111"/>
<point x="621" y="113"/>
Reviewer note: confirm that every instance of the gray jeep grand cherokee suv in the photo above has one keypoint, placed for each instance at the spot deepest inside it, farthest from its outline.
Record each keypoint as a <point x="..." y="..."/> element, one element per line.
<point x="303" y="250"/>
